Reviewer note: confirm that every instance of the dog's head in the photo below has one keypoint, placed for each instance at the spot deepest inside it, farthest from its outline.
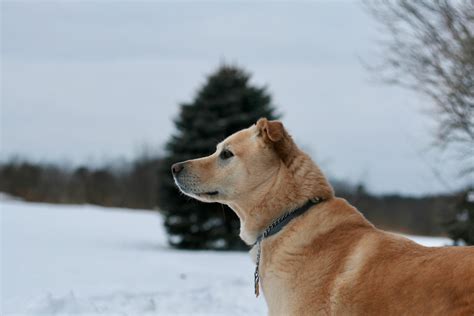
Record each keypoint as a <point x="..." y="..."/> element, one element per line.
<point x="241" y="162"/>
<point x="259" y="172"/>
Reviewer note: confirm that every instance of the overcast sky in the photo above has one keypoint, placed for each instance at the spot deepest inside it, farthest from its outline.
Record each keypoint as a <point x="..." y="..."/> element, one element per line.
<point x="85" y="82"/>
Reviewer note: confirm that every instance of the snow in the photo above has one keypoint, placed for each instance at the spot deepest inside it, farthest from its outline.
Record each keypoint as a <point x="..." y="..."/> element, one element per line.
<point x="59" y="259"/>
<point x="89" y="260"/>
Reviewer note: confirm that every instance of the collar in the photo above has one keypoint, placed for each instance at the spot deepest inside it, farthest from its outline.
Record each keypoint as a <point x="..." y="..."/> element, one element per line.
<point x="274" y="228"/>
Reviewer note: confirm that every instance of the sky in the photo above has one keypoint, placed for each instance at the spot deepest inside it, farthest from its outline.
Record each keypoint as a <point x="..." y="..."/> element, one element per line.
<point x="86" y="82"/>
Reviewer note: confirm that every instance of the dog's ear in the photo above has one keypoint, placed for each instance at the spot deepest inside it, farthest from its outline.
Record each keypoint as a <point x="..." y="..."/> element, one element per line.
<point x="270" y="130"/>
<point x="274" y="133"/>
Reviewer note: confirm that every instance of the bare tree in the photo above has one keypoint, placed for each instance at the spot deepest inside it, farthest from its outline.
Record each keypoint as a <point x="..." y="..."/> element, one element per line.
<point x="429" y="47"/>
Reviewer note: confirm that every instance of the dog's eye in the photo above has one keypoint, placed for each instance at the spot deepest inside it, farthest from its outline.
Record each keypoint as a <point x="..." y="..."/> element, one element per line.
<point x="226" y="154"/>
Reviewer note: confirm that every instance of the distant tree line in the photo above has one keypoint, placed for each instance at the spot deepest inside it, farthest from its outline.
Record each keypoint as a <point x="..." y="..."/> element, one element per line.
<point x="425" y="215"/>
<point x="131" y="185"/>
<point x="136" y="185"/>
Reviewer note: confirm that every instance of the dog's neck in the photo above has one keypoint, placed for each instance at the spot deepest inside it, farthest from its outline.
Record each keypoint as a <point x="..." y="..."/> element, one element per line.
<point x="290" y="186"/>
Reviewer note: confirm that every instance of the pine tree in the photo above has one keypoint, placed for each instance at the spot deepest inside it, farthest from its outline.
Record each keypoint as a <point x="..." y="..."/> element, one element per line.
<point x="461" y="227"/>
<point x="226" y="103"/>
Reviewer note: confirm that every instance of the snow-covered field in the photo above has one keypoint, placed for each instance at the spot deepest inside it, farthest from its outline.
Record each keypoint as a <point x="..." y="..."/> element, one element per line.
<point x="88" y="260"/>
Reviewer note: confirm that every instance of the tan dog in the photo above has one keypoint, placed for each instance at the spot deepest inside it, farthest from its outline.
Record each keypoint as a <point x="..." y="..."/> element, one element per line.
<point x="330" y="260"/>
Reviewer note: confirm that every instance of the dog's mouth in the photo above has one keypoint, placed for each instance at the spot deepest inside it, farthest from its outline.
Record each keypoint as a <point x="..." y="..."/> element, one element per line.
<point x="211" y="193"/>
<point x="186" y="190"/>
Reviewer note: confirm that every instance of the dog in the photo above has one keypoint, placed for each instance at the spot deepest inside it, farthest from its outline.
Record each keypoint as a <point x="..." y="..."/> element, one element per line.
<point x="328" y="259"/>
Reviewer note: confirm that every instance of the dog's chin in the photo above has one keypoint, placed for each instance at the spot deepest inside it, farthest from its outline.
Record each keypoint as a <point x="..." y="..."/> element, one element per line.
<point x="211" y="196"/>
<point x="205" y="196"/>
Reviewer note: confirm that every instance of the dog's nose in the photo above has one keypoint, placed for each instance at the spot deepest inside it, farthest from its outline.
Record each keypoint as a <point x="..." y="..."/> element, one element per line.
<point x="177" y="168"/>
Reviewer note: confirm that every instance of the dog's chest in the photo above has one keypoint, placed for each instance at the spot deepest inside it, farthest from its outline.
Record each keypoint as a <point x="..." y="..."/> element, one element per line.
<point x="279" y="280"/>
<point x="275" y="289"/>
<point x="291" y="281"/>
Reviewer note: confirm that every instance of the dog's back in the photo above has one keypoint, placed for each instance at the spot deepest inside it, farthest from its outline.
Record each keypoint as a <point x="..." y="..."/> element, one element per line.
<point x="351" y="268"/>
<point x="403" y="276"/>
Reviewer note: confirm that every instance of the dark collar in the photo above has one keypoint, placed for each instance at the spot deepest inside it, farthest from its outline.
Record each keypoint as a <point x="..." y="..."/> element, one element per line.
<point x="274" y="228"/>
<point x="281" y="221"/>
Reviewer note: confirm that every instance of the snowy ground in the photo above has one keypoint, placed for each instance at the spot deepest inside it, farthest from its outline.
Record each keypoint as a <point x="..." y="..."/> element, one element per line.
<point x="88" y="260"/>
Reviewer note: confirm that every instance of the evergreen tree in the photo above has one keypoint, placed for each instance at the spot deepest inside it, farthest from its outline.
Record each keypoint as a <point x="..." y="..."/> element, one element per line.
<point x="461" y="227"/>
<point x="226" y="103"/>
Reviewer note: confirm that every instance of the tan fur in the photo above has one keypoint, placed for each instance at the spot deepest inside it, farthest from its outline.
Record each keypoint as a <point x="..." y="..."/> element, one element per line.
<point x="330" y="260"/>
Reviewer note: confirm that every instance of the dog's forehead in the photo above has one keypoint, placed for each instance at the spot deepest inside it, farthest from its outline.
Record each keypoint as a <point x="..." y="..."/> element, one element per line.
<point x="238" y="137"/>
